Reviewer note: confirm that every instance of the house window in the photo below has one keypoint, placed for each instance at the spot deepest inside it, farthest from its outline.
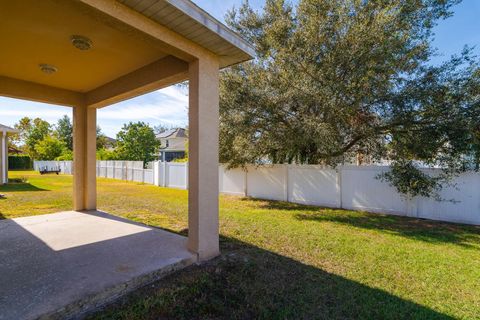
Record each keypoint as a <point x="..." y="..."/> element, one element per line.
<point x="166" y="143"/>
<point x="170" y="156"/>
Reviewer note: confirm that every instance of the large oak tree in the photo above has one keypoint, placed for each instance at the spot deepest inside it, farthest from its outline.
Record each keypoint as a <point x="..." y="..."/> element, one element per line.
<point x="335" y="78"/>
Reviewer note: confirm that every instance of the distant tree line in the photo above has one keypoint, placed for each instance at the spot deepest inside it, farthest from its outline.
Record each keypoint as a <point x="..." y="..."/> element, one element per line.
<point x="43" y="141"/>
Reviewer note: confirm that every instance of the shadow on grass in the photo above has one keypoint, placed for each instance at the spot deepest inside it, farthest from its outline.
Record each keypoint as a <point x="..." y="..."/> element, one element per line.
<point x="281" y="205"/>
<point x="418" y="229"/>
<point x="20" y="187"/>
<point x="248" y="282"/>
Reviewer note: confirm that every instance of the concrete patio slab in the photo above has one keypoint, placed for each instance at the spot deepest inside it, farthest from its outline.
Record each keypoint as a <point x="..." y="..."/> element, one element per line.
<point x="65" y="264"/>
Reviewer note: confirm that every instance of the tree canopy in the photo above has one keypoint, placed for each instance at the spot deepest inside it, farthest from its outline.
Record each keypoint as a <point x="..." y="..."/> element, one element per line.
<point x="65" y="131"/>
<point x="335" y="78"/>
<point x="32" y="131"/>
<point x="50" y="148"/>
<point x="137" y="142"/>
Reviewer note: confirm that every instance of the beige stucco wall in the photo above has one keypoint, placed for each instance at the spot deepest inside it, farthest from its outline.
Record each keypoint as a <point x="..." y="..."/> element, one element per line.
<point x="3" y="158"/>
<point x="84" y="155"/>
<point x="203" y="227"/>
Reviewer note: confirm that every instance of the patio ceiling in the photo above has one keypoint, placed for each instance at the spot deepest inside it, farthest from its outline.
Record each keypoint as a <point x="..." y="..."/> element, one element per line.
<point x="126" y="48"/>
<point x="35" y="32"/>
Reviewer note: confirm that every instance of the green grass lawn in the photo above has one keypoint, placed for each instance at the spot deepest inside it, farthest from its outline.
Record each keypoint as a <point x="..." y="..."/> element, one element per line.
<point x="285" y="261"/>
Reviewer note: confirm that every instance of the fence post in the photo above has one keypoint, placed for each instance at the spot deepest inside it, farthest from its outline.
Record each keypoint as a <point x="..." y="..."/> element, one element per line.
<point x="155" y="173"/>
<point x="165" y="174"/>
<point x="122" y="169"/>
<point x="285" y="187"/>
<point x="245" y="181"/>
<point x="132" y="167"/>
<point x="412" y="206"/>
<point x="186" y="175"/>
<point x="339" y="186"/>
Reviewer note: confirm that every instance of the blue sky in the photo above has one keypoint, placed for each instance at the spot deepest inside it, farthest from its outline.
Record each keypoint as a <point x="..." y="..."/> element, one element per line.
<point x="170" y="105"/>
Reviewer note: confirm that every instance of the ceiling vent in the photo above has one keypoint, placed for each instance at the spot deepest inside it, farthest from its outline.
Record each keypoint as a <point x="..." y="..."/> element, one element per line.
<point x="47" y="68"/>
<point x="81" y="42"/>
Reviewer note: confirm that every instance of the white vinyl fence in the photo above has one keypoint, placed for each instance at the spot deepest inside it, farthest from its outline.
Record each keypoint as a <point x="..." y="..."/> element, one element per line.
<point x="122" y="170"/>
<point x="125" y="170"/>
<point x="348" y="187"/>
<point x="64" y="166"/>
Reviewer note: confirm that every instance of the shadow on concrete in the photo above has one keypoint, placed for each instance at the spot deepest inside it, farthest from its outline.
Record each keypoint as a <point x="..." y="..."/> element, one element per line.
<point x="248" y="282"/>
<point x="65" y="263"/>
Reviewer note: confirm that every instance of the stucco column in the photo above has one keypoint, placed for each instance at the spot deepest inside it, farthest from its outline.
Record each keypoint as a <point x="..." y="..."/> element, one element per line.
<point x="84" y="158"/>
<point x="4" y="159"/>
<point x="203" y="231"/>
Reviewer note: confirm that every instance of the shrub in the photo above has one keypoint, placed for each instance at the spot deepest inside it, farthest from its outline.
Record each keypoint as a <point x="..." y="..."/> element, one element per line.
<point x="21" y="162"/>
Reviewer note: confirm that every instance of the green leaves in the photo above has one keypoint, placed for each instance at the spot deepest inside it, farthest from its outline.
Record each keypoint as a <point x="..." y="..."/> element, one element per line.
<point x="50" y="148"/>
<point x="137" y="142"/>
<point x="65" y="131"/>
<point x="335" y="79"/>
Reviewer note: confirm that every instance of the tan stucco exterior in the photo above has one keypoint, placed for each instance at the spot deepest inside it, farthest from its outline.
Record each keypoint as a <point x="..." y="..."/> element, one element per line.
<point x="4" y="132"/>
<point x="132" y="54"/>
<point x="3" y="158"/>
<point x="203" y="158"/>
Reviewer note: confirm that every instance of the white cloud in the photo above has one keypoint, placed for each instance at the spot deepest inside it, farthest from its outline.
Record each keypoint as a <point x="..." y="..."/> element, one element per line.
<point x="169" y="105"/>
<point x="12" y="110"/>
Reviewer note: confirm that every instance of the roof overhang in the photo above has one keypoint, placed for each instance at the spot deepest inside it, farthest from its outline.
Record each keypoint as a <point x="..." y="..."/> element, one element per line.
<point x="197" y="25"/>
<point x="7" y="129"/>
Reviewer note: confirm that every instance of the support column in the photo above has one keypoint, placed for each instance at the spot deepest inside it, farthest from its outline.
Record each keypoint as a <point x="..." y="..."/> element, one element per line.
<point x="84" y="158"/>
<point x="203" y="237"/>
<point x="4" y="159"/>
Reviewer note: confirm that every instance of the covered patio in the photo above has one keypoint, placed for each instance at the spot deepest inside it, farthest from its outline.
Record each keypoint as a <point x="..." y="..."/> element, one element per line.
<point x="89" y="54"/>
<point x="65" y="264"/>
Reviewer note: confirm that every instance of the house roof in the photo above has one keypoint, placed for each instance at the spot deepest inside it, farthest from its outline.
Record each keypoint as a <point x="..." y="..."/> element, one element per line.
<point x="173" y="133"/>
<point x="197" y="25"/>
<point x="4" y="128"/>
<point x="110" y="140"/>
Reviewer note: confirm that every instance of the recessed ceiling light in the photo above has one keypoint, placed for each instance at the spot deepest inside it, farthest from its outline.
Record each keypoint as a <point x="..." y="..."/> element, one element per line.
<point x="81" y="42"/>
<point x="48" y="68"/>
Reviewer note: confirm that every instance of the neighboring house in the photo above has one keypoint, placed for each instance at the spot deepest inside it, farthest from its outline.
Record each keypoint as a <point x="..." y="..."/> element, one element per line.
<point x="110" y="143"/>
<point x="4" y="132"/>
<point x="173" y="144"/>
